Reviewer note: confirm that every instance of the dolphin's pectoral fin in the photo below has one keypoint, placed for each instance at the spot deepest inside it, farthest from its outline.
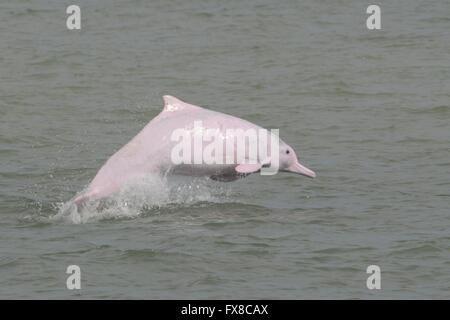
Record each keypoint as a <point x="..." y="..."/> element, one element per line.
<point x="248" y="168"/>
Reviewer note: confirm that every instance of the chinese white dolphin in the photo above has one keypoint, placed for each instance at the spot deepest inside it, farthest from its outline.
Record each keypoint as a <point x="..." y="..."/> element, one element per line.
<point x="152" y="151"/>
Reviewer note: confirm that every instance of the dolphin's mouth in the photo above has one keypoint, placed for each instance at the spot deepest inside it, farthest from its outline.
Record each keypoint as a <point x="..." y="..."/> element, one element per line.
<point x="298" y="168"/>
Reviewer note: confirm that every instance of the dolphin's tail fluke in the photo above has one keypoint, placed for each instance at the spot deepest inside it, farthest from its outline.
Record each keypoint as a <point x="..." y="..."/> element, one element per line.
<point x="89" y="195"/>
<point x="81" y="200"/>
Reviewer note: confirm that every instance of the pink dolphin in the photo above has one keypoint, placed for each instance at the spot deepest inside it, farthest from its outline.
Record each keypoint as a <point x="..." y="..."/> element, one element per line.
<point x="151" y="151"/>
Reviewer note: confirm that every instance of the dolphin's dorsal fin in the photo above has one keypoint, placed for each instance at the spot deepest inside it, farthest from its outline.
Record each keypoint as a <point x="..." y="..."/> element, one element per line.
<point x="172" y="104"/>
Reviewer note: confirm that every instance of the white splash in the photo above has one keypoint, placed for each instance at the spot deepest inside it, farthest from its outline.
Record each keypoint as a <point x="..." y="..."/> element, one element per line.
<point x="148" y="194"/>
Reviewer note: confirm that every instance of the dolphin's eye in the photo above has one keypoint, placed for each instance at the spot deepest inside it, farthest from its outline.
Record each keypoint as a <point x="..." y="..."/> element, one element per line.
<point x="287" y="151"/>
